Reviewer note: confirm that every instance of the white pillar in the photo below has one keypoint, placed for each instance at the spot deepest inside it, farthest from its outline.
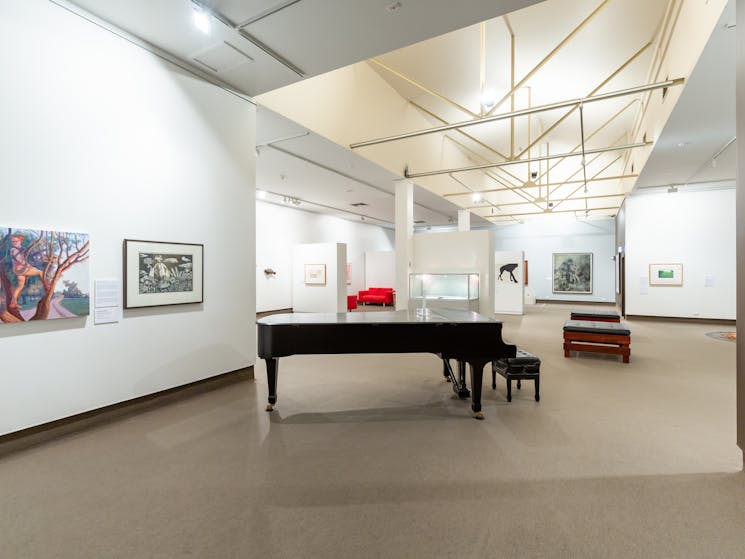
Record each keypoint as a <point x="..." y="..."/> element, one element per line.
<point x="740" y="227"/>
<point x="464" y="220"/>
<point x="404" y="241"/>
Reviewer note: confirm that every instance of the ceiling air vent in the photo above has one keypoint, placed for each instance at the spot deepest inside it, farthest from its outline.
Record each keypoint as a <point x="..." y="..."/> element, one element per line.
<point x="358" y="204"/>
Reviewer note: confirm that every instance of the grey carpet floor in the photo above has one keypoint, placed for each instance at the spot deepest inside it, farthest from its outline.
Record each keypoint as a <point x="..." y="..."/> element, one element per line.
<point x="373" y="456"/>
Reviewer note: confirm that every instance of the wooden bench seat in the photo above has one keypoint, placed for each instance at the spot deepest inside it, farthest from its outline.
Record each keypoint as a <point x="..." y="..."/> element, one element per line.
<point x="597" y="337"/>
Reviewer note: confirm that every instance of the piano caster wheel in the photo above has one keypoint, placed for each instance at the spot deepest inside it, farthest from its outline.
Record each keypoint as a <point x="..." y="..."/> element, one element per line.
<point x="479" y="415"/>
<point x="269" y="407"/>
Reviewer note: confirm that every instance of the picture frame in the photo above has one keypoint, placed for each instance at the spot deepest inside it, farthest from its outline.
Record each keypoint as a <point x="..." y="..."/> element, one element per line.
<point x="349" y="273"/>
<point x="572" y="272"/>
<point x="666" y="274"/>
<point x="315" y="274"/>
<point x="158" y="274"/>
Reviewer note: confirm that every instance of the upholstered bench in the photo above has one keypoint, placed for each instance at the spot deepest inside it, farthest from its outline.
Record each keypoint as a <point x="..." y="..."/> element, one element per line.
<point x="595" y="315"/>
<point x="524" y="366"/>
<point x="598" y="337"/>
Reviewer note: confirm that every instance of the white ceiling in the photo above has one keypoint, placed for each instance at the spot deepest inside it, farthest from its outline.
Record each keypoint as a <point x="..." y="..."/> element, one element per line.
<point x="703" y="121"/>
<point x="265" y="44"/>
<point x="260" y="45"/>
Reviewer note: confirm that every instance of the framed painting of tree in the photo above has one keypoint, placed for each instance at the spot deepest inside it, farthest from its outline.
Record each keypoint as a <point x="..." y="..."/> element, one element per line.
<point x="158" y="273"/>
<point x="44" y="274"/>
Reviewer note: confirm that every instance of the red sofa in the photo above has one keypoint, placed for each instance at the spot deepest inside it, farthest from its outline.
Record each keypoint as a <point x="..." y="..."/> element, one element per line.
<point x="376" y="296"/>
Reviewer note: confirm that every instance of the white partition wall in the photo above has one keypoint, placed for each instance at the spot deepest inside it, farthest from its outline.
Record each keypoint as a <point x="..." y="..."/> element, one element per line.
<point x="509" y="284"/>
<point x="101" y="136"/>
<point x="319" y="273"/>
<point x="691" y="228"/>
<point x="380" y="268"/>
<point x="461" y="251"/>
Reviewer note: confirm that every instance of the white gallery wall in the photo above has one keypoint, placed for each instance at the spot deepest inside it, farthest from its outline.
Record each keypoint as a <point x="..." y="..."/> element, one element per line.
<point x="280" y="228"/>
<point x="100" y="136"/>
<point x="319" y="278"/>
<point x="380" y="268"/>
<point x="695" y="228"/>
<point x="540" y="239"/>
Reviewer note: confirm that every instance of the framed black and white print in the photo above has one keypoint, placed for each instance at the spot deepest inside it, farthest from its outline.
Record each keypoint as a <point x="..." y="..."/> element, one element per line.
<point x="572" y="272"/>
<point x="158" y="273"/>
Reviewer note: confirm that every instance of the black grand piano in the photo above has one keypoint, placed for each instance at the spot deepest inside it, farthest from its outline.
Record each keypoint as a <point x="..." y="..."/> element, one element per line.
<point x="463" y="336"/>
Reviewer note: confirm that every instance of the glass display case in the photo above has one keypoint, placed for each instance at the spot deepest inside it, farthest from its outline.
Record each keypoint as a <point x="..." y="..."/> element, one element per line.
<point x="441" y="290"/>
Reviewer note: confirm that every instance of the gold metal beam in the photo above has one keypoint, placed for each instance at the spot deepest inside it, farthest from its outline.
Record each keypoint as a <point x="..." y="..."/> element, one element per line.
<point x="548" y="212"/>
<point x="598" y="179"/>
<point x="592" y="160"/>
<point x="502" y="205"/>
<point x="465" y="134"/>
<point x="423" y="87"/>
<point x="620" y="69"/>
<point x="556" y="204"/>
<point x="550" y="55"/>
<point x="522" y="112"/>
<point x="520" y="161"/>
<point x="512" y="84"/>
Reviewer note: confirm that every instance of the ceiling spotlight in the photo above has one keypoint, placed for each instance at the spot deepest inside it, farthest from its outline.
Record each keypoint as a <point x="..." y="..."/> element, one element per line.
<point x="476" y="197"/>
<point x="261" y="194"/>
<point x="488" y="99"/>
<point x="672" y="188"/>
<point x="202" y="20"/>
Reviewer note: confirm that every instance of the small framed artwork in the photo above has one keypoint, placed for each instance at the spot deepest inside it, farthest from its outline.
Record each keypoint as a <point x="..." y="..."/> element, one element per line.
<point x="572" y="272"/>
<point x="666" y="274"/>
<point x="349" y="274"/>
<point x="525" y="272"/>
<point x="315" y="274"/>
<point x="158" y="273"/>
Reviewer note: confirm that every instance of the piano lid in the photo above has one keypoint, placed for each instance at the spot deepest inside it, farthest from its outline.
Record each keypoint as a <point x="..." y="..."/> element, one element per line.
<point x="433" y="316"/>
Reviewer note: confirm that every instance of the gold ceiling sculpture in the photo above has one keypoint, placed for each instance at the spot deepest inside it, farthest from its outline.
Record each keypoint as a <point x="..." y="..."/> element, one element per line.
<point x="536" y="190"/>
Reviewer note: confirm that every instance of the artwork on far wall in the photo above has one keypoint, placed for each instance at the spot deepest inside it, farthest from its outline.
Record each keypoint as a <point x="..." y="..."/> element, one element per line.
<point x="508" y="272"/>
<point x="43" y="274"/>
<point x="572" y="272"/>
<point x="349" y="274"/>
<point x="315" y="274"/>
<point x="158" y="273"/>
<point x="525" y="272"/>
<point x="666" y="274"/>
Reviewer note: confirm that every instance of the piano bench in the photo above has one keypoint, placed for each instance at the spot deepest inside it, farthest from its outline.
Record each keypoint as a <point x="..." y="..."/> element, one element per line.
<point x="524" y="366"/>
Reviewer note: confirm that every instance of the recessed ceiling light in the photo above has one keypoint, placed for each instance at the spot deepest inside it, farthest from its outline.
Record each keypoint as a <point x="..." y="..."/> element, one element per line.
<point x="476" y="197"/>
<point x="201" y="20"/>
<point x="261" y="194"/>
<point x="683" y="144"/>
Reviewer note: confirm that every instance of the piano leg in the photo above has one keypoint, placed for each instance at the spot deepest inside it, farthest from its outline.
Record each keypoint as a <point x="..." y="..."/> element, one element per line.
<point x="464" y="393"/>
<point x="477" y="377"/>
<point x="445" y="367"/>
<point x="459" y="386"/>
<point x="271" y="379"/>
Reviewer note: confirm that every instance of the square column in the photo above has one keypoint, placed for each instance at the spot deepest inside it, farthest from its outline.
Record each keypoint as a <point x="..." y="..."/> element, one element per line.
<point x="404" y="241"/>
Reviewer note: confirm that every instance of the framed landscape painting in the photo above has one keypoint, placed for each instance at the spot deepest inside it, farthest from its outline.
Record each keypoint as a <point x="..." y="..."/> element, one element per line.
<point x="44" y="274"/>
<point x="666" y="274"/>
<point x="158" y="273"/>
<point x="572" y="272"/>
